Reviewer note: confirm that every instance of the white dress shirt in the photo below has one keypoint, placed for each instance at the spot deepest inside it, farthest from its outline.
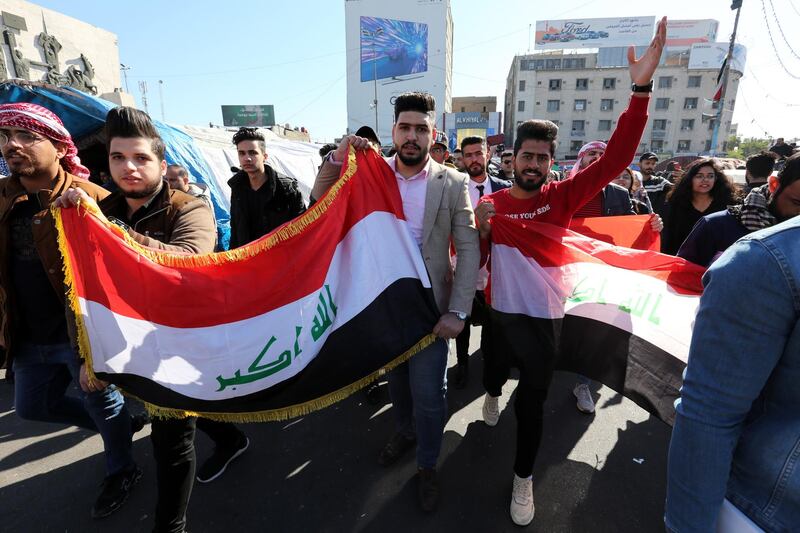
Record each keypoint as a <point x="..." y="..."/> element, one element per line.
<point x="412" y="192"/>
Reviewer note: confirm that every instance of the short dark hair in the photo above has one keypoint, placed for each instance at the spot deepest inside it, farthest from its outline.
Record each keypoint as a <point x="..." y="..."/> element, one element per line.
<point x="181" y="169"/>
<point x="761" y="165"/>
<point x="789" y="173"/>
<point x="415" y="101"/>
<point x="326" y="149"/>
<point x="130" y="123"/>
<point x="472" y="139"/>
<point x="507" y="153"/>
<point x="537" y="130"/>
<point x="250" y="134"/>
<point x="457" y="151"/>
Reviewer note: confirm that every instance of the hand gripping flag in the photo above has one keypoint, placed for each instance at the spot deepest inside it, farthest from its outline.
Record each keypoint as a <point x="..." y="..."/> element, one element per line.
<point x="288" y="324"/>
<point x="627" y="314"/>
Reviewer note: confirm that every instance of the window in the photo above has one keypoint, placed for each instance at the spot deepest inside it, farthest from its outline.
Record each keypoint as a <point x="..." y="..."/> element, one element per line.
<point x="580" y="105"/>
<point x="527" y="64"/>
<point x="552" y="64"/>
<point x="694" y="81"/>
<point x="582" y="84"/>
<point x="687" y="124"/>
<point x="521" y="105"/>
<point x="657" y="146"/>
<point x="609" y="83"/>
<point x="662" y="103"/>
<point x="664" y="82"/>
<point x="463" y="108"/>
<point x="660" y="124"/>
<point x="576" y="62"/>
<point x="484" y="109"/>
<point x="606" y="104"/>
<point x="575" y="146"/>
<point x="684" y="146"/>
<point x="604" y="125"/>
<point x="553" y="105"/>
<point x="690" y="103"/>
<point x="578" y="125"/>
<point x="521" y="85"/>
<point x="555" y="85"/>
<point x="711" y="124"/>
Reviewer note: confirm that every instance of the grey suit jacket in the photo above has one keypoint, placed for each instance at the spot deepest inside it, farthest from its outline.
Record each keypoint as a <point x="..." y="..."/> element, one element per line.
<point x="448" y="213"/>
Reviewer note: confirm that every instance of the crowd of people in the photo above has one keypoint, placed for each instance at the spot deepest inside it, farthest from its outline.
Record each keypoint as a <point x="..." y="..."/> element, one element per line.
<point x="737" y="434"/>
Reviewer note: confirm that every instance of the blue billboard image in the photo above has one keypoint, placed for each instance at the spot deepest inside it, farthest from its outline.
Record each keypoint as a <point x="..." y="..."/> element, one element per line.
<point x="391" y="48"/>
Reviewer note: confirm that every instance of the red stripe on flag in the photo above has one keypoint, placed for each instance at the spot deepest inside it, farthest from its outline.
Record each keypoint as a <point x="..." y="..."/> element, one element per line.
<point x="117" y="276"/>
<point x="629" y="231"/>
<point x="553" y="246"/>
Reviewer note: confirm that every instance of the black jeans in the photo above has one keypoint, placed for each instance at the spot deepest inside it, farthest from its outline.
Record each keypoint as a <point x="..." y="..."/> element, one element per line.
<point x="479" y="316"/>
<point x="531" y="345"/>
<point x="173" y="450"/>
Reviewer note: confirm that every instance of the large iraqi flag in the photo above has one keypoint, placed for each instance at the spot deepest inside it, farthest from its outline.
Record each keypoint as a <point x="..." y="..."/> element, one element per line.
<point x="287" y="324"/>
<point x="626" y="315"/>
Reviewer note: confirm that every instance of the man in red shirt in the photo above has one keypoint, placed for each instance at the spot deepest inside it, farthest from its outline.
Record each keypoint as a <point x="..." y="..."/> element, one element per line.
<point x="531" y="198"/>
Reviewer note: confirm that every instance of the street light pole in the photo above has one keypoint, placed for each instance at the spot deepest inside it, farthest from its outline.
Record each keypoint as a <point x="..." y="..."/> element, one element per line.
<point x="725" y="75"/>
<point x="125" y="70"/>
<point x="372" y="35"/>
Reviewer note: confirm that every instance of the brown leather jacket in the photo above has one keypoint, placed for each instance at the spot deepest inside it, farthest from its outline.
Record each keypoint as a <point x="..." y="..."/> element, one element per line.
<point x="44" y="235"/>
<point x="174" y="221"/>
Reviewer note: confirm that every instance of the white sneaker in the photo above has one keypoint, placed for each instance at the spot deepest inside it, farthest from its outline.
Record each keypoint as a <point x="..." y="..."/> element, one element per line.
<point x="522" y="501"/>
<point x="585" y="402"/>
<point x="491" y="410"/>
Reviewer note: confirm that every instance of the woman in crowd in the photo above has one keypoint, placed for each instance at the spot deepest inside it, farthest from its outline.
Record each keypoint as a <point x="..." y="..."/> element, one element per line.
<point x="639" y="200"/>
<point x="702" y="190"/>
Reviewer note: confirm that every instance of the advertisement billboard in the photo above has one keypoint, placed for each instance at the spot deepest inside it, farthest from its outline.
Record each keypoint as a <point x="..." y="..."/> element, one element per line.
<point x="711" y="56"/>
<point x="466" y="124"/>
<point x="685" y="33"/>
<point x="594" y="33"/>
<point x="392" y="48"/>
<point x="255" y="116"/>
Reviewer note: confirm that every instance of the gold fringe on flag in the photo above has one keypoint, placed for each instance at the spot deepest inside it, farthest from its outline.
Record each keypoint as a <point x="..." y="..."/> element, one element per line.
<point x="289" y="230"/>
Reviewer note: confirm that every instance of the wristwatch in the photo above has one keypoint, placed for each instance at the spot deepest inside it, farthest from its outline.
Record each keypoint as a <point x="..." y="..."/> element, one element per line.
<point x="642" y="88"/>
<point x="459" y="315"/>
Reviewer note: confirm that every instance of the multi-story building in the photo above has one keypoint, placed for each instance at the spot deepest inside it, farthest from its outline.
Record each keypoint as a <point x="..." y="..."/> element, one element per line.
<point x="474" y="104"/>
<point x="584" y="94"/>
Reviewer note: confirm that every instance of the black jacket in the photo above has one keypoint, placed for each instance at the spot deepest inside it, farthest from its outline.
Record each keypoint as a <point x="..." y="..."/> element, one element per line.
<point x="282" y="202"/>
<point x="657" y="189"/>
<point x="498" y="183"/>
<point x="616" y="201"/>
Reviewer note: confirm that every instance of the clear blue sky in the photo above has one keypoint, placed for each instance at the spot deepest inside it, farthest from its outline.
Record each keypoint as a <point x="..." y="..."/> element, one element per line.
<point x="292" y="54"/>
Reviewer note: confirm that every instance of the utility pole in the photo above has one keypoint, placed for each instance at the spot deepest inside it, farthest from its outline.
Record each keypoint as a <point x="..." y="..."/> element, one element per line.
<point x="143" y="90"/>
<point x="161" y="98"/>
<point x="737" y="5"/>
<point x="372" y="35"/>
<point x="125" y="70"/>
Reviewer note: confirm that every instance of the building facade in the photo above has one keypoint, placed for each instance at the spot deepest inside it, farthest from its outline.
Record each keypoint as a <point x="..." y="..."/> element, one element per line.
<point x="392" y="48"/>
<point x="584" y="94"/>
<point x="474" y="104"/>
<point x="42" y="45"/>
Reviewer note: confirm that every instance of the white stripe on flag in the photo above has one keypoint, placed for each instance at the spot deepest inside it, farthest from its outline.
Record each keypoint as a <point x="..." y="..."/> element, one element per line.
<point x="376" y="252"/>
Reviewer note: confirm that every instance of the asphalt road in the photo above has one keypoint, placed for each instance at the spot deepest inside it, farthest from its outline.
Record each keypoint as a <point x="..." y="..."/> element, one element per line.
<point x="601" y="473"/>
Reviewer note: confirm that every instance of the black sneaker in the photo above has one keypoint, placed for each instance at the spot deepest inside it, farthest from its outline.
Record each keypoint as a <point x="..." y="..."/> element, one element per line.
<point x="216" y="464"/>
<point x="397" y="446"/>
<point x="138" y="422"/>
<point x="116" y="488"/>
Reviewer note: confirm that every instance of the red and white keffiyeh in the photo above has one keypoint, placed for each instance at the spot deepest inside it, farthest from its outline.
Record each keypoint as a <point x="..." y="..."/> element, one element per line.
<point x="43" y="121"/>
<point x="594" y="145"/>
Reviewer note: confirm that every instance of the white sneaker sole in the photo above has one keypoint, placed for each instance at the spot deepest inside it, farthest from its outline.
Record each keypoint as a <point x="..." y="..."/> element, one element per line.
<point x="239" y="452"/>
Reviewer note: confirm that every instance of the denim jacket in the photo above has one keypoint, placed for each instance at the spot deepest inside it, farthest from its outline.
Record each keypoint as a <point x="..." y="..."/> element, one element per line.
<point x="737" y="430"/>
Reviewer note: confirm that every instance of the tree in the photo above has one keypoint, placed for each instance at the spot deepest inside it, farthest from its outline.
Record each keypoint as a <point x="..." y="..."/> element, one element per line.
<point x="743" y="148"/>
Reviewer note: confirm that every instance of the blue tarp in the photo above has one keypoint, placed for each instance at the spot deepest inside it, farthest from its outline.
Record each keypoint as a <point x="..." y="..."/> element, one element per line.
<point x="84" y="114"/>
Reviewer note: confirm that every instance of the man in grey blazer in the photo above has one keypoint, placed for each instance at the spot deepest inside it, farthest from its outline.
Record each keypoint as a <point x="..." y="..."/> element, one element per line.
<point x="437" y="208"/>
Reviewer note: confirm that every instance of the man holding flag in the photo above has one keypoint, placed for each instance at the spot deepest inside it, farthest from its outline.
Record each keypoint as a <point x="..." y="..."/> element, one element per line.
<point x="532" y="199"/>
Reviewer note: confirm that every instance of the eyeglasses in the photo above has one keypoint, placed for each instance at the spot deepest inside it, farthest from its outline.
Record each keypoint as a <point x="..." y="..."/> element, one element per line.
<point x="25" y="138"/>
<point x="705" y="177"/>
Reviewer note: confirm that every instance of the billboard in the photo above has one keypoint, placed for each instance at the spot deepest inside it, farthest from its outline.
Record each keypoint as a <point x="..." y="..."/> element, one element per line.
<point x="392" y="48"/>
<point x="685" y="33"/>
<point x="594" y="33"/>
<point x="256" y="116"/>
<point x="466" y="124"/>
<point x="711" y="56"/>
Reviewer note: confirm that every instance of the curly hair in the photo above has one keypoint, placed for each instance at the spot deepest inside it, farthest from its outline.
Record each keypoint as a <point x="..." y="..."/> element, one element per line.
<point x="723" y="191"/>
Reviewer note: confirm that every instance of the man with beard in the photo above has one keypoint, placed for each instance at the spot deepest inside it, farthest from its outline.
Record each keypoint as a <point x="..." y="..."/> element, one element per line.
<point x="531" y="198"/>
<point x="157" y="217"/>
<point x="763" y="207"/>
<point x="39" y="340"/>
<point x="506" y="165"/>
<point x="437" y="210"/>
<point x="657" y="187"/>
<point x="473" y="150"/>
